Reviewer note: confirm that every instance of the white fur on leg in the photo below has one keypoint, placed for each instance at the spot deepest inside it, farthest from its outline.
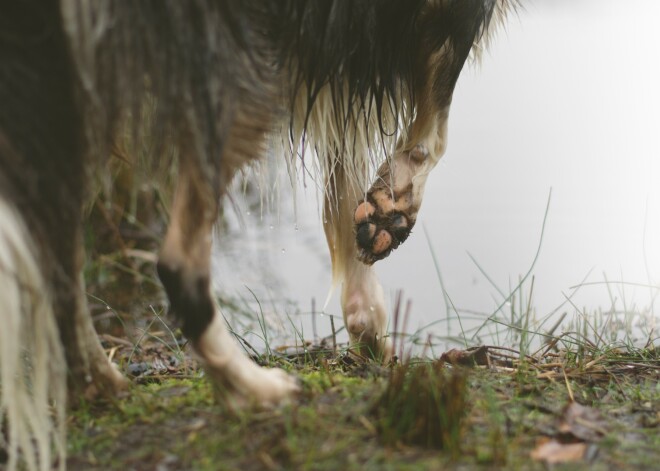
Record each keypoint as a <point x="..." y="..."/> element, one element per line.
<point x="363" y="305"/>
<point x="244" y="381"/>
<point x="362" y="300"/>
<point x="32" y="365"/>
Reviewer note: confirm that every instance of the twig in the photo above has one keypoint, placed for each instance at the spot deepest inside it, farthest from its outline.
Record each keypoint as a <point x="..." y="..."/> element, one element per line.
<point x="334" y="335"/>
<point x="115" y="340"/>
<point x="568" y="386"/>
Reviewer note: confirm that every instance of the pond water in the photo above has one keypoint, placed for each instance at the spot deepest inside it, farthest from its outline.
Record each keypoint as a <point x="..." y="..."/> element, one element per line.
<point x="565" y="102"/>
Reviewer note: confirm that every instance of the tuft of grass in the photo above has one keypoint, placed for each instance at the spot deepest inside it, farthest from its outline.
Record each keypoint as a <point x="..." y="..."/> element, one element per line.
<point x="423" y="405"/>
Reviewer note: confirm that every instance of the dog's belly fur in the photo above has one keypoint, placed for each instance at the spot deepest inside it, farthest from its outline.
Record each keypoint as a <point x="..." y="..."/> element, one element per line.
<point x="364" y="84"/>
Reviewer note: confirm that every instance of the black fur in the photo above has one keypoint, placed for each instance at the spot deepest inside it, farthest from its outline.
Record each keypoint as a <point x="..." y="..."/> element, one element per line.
<point x="201" y="59"/>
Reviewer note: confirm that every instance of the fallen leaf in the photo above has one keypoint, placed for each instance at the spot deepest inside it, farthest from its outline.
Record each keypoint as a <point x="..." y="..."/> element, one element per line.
<point x="470" y="357"/>
<point x="553" y="452"/>
<point x="581" y="423"/>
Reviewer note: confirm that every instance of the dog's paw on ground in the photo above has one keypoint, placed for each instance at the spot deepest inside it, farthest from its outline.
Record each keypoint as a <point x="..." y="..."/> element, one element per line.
<point x="383" y="221"/>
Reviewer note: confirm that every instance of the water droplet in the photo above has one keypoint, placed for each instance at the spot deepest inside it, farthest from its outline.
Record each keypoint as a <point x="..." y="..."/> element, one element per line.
<point x="283" y="250"/>
<point x="325" y="221"/>
<point x="247" y="213"/>
<point x="271" y="227"/>
<point x="372" y="309"/>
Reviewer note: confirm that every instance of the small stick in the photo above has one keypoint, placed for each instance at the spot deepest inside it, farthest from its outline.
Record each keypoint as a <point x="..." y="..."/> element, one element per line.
<point x="568" y="386"/>
<point x="314" y="320"/>
<point x="334" y="334"/>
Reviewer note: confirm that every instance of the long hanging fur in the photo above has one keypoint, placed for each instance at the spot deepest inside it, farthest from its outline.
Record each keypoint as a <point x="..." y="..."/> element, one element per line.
<point x="339" y="75"/>
<point x="32" y="366"/>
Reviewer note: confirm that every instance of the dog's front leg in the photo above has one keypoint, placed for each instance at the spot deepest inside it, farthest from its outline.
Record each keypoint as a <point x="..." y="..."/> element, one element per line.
<point x="384" y="219"/>
<point x="184" y="269"/>
<point x="362" y="300"/>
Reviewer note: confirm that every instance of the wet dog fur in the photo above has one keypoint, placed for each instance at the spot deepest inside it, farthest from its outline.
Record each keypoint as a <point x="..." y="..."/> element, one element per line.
<point x="364" y="85"/>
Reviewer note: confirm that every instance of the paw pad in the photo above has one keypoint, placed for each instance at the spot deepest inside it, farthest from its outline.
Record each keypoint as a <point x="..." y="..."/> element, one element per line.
<point x="387" y="214"/>
<point x="377" y="232"/>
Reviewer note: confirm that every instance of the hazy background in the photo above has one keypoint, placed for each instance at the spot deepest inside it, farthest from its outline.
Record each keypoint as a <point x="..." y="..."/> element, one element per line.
<point x="566" y="98"/>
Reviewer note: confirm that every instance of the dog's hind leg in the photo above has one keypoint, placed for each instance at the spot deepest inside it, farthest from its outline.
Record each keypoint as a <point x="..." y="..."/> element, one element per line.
<point x="90" y="372"/>
<point x="184" y="269"/>
<point x="362" y="301"/>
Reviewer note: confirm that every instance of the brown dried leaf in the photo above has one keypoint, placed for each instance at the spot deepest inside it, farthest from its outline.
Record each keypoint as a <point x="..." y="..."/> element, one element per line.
<point x="582" y="423"/>
<point x="470" y="357"/>
<point x="553" y="452"/>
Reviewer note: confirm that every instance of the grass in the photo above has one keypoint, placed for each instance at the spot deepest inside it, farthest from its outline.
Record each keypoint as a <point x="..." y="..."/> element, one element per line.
<point x="422" y="405"/>
<point x="488" y="408"/>
<point x="491" y="407"/>
<point x="356" y="415"/>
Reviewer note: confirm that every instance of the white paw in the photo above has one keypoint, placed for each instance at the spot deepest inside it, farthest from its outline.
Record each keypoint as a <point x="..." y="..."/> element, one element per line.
<point x="240" y="381"/>
<point x="243" y="384"/>
<point x="365" y="316"/>
<point x="276" y="387"/>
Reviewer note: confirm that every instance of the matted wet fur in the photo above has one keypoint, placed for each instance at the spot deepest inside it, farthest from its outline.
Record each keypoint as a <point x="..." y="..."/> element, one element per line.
<point x="364" y="85"/>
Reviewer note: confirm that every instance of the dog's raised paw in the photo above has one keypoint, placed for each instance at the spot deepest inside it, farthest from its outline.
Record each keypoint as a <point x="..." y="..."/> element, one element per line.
<point x="386" y="216"/>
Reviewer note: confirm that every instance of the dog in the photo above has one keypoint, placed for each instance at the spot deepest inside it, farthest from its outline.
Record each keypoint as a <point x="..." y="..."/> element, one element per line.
<point x="365" y="86"/>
